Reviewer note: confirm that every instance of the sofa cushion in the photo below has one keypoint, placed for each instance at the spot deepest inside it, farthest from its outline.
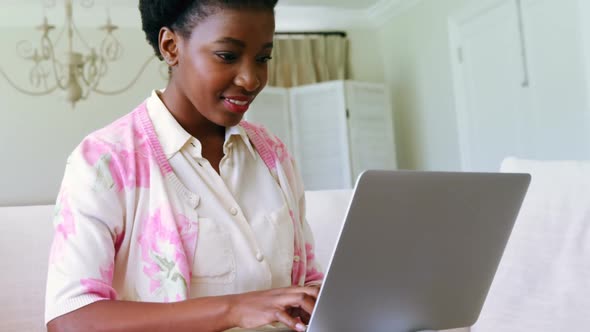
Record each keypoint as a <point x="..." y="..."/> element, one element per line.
<point x="26" y="238"/>
<point x="543" y="281"/>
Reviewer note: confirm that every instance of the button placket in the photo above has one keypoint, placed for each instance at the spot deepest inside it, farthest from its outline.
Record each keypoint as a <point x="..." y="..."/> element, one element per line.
<point x="234" y="211"/>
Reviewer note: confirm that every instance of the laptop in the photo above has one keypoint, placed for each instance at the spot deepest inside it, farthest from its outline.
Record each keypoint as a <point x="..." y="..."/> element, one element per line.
<point x="417" y="251"/>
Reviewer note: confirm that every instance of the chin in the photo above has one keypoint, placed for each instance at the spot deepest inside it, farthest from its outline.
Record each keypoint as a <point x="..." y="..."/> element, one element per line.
<point x="231" y="121"/>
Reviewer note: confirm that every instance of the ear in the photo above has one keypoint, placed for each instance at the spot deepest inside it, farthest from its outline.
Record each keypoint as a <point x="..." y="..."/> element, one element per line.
<point x="168" y="42"/>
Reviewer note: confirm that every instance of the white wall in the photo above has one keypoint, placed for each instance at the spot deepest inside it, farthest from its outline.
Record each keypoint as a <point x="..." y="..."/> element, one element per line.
<point x="416" y="56"/>
<point x="365" y="56"/>
<point x="38" y="133"/>
<point x="416" y="53"/>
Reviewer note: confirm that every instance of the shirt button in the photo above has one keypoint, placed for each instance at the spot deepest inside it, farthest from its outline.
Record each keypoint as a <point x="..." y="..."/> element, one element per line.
<point x="259" y="256"/>
<point x="296" y="259"/>
<point x="233" y="211"/>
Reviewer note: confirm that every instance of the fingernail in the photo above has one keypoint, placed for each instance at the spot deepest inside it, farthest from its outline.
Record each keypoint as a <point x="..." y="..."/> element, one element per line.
<point x="300" y="327"/>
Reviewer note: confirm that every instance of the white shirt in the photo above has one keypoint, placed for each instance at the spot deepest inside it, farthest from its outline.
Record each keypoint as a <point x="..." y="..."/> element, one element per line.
<point x="245" y="236"/>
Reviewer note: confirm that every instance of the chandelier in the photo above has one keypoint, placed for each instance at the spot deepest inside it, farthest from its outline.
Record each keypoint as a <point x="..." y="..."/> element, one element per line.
<point x="76" y="73"/>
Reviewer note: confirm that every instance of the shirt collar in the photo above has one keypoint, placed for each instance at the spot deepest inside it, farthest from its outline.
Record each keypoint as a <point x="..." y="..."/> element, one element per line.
<point x="240" y="133"/>
<point x="173" y="137"/>
<point x="170" y="133"/>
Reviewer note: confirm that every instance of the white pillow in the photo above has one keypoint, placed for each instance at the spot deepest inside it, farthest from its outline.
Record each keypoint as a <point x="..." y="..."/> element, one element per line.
<point x="543" y="281"/>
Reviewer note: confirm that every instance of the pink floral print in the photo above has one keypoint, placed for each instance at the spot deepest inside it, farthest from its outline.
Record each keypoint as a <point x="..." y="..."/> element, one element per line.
<point x="271" y="149"/>
<point x="312" y="273"/>
<point x="124" y="163"/>
<point x="101" y="287"/>
<point x="164" y="246"/>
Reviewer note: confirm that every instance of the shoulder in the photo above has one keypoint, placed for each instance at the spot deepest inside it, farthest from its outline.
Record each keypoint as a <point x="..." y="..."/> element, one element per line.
<point x="254" y="129"/>
<point x="122" y="148"/>
<point x="269" y="146"/>
<point x="257" y="132"/>
<point x="127" y="133"/>
<point x="121" y="132"/>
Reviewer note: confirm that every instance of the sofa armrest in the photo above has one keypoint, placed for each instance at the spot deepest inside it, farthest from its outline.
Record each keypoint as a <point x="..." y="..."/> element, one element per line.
<point x="463" y="329"/>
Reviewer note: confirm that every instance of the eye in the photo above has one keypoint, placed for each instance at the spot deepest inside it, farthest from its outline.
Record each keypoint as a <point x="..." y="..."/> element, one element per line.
<point x="227" y="56"/>
<point x="264" y="59"/>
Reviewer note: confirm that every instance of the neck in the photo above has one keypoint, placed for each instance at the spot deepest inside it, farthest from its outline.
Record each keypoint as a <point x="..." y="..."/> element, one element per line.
<point x="189" y="118"/>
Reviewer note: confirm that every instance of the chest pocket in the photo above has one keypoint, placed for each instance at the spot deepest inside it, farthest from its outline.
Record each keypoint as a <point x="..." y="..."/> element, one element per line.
<point x="214" y="256"/>
<point x="283" y="235"/>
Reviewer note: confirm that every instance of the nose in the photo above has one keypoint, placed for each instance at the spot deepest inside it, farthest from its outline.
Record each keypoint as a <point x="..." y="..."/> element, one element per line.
<point x="249" y="78"/>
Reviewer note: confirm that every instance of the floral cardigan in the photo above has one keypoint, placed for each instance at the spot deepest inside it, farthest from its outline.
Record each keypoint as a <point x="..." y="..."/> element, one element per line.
<point x="126" y="227"/>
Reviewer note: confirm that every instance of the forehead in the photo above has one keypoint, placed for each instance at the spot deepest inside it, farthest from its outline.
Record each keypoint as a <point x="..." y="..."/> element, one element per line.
<point x="248" y="25"/>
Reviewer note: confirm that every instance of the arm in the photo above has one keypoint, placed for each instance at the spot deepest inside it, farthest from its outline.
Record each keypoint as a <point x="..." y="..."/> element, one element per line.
<point x="210" y="314"/>
<point x="206" y="314"/>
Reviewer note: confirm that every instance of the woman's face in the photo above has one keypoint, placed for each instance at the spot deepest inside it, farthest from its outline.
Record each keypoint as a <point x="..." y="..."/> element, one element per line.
<point x="223" y="65"/>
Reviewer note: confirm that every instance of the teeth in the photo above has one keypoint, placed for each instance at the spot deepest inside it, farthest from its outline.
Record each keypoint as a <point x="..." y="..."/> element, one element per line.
<point x="237" y="102"/>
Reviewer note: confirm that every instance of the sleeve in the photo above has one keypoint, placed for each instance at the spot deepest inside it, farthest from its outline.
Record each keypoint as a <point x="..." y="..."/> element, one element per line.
<point x="88" y="222"/>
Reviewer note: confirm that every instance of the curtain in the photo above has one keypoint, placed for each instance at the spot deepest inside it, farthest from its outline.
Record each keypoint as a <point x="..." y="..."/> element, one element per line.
<point x="299" y="60"/>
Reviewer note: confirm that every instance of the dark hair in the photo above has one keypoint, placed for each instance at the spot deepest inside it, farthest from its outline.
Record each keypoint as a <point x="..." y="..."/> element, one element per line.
<point x="183" y="15"/>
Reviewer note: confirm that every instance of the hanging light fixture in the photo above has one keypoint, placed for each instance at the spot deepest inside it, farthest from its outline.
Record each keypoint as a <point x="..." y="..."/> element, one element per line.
<point x="75" y="73"/>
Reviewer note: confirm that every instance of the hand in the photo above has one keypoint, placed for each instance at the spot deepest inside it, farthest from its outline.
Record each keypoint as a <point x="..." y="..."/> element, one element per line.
<point x="300" y="313"/>
<point x="256" y="309"/>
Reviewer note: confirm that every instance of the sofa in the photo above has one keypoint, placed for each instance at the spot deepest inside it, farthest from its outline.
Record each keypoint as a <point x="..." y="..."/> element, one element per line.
<point x="542" y="283"/>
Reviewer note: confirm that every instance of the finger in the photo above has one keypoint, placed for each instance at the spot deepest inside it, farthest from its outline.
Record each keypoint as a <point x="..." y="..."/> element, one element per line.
<point x="308" y="304"/>
<point x="309" y="290"/>
<point x="299" y="320"/>
<point x="300" y="300"/>
<point x="305" y="317"/>
<point x="289" y="321"/>
<point x="301" y="314"/>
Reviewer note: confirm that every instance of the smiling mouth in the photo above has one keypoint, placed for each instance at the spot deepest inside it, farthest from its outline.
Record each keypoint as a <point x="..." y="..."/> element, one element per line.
<point x="237" y="102"/>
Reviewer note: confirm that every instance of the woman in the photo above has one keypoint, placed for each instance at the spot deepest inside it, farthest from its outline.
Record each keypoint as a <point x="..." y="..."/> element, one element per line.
<point x="180" y="216"/>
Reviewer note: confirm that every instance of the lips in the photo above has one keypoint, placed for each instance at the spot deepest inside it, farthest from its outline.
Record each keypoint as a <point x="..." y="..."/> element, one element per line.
<point x="237" y="104"/>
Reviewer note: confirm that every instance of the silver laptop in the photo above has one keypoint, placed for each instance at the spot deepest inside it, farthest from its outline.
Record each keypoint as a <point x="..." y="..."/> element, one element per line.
<point x="417" y="251"/>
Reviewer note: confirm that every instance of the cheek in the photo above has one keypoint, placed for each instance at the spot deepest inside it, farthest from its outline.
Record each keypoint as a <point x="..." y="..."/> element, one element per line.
<point x="208" y="78"/>
<point x="263" y="75"/>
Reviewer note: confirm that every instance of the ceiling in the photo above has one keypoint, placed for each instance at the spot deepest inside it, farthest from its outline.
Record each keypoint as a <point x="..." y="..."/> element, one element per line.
<point x="347" y="4"/>
<point x="292" y="15"/>
<point x="341" y="4"/>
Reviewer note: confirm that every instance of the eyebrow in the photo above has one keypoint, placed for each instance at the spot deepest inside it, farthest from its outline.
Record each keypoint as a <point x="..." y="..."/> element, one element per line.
<point x="239" y="43"/>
